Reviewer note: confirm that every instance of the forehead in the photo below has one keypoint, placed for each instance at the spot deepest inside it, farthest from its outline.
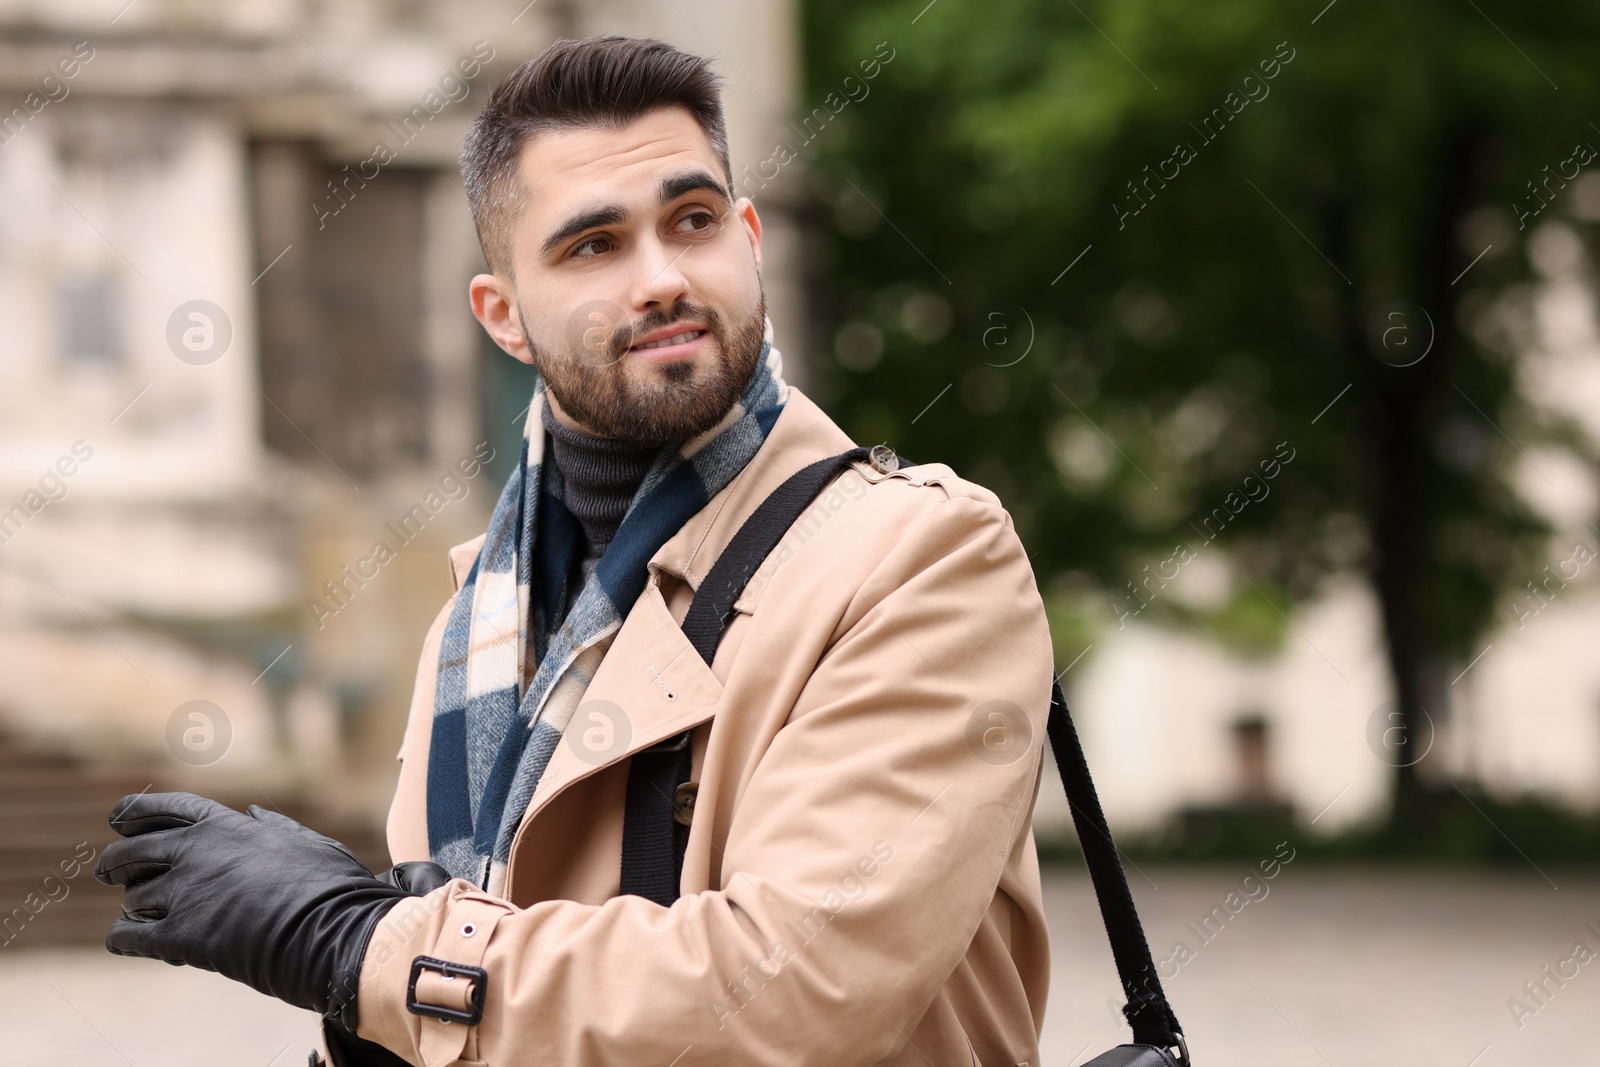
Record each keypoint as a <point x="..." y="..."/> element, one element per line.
<point x="563" y="169"/>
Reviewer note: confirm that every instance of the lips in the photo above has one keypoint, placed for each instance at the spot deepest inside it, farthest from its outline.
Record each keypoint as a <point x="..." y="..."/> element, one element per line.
<point x="678" y="338"/>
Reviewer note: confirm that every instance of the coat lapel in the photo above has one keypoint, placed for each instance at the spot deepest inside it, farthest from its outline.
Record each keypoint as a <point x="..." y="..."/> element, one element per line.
<point x="652" y="684"/>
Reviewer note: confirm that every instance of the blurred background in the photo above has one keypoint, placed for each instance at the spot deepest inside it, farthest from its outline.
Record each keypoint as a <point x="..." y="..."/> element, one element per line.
<point x="1273" y="325"/>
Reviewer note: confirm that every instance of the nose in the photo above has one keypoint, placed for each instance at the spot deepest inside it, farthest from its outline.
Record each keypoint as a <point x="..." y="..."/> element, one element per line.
<point x="660" y="282"/>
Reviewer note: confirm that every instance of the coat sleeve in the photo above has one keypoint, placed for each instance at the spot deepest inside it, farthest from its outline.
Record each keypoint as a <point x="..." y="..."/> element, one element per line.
<point x="863" y="855"/>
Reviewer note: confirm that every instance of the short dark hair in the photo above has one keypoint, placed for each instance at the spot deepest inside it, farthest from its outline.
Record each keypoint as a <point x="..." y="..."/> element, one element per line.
<point x="593" y="82"/>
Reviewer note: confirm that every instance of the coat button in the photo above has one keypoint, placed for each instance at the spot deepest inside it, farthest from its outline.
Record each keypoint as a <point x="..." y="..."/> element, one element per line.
<point x="683" y="799"/>
<point x="883" y="459"/>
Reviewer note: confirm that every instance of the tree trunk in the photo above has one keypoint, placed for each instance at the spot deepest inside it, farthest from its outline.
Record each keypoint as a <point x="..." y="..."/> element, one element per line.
<point x="1395" y="407"/>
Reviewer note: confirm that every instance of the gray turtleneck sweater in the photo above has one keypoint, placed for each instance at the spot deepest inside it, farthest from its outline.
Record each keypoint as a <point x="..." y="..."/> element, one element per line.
<point x="599" y="477"/>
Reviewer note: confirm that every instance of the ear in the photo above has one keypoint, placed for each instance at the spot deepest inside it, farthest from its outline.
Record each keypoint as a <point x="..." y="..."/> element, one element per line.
<point x="493" y="300"/>
<point x="745" y="208"/>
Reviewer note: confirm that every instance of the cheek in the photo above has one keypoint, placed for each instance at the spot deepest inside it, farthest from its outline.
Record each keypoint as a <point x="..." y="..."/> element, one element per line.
<point x="563" y="317"/>
<point x="731" y="282"/>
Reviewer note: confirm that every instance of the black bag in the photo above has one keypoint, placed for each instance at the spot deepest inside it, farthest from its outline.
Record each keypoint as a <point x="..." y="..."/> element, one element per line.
<point x="660" y="798"/>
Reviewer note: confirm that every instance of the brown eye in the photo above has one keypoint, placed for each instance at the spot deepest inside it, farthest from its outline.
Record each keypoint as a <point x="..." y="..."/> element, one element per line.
<point x="710" y="221"/>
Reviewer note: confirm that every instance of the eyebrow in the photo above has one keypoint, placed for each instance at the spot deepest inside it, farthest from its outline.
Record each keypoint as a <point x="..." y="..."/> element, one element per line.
<point x="670" y="189"/>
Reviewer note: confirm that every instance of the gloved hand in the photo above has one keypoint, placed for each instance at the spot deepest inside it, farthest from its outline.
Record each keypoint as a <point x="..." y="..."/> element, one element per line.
<point x="345" y="1049"/>
<point x="416" y="877"/>
<point x="254" y="896"/>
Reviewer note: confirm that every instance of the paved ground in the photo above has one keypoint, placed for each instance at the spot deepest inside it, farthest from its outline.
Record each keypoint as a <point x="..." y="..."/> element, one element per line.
<point x="82" y="1006"/>
<point x="1327" y="969"/>
<point x="1344" y="969"/>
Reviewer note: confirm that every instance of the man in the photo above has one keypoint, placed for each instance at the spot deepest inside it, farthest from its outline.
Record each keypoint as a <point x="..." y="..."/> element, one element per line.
<point x="859" y="883"/>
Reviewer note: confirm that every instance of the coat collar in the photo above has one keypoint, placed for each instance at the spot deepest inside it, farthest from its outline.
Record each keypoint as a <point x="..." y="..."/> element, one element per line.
<point x="652" y="683"/>
<point x="652" y="673"/>
<point x="802" y="434"/>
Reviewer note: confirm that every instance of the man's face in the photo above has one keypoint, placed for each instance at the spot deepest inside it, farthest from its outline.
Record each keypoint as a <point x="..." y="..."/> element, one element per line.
<point x="629" y="238"/>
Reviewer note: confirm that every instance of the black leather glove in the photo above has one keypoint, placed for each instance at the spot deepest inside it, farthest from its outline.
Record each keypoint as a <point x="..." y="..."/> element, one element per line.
<point x="345" y="1049"/>
<point x="416" y="877"/>
<point x="254" y="896"/>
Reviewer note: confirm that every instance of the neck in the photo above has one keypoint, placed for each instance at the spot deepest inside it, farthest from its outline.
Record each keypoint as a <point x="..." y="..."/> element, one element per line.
<point x="599" y="476"/>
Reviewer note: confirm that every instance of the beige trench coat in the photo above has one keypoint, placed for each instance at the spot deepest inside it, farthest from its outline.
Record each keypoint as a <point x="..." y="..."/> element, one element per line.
<point x="861" y="884"/>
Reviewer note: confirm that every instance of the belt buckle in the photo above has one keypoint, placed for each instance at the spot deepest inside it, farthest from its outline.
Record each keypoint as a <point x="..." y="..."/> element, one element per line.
<point x="480" y="981"/>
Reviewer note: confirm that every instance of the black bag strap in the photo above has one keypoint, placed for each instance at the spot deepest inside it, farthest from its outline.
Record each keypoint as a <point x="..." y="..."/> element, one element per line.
<point x="1147" y="1010"/>
<point x="655" y="828"/>
<point x="652" y="849"/>
<point x="712" y="605"/>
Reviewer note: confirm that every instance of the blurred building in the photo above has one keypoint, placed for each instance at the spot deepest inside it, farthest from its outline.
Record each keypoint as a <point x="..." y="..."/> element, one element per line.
<point x="238" y="356"/>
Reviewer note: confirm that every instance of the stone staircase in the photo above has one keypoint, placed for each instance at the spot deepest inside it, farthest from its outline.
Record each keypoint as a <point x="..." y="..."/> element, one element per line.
<point x="53" y="811"/>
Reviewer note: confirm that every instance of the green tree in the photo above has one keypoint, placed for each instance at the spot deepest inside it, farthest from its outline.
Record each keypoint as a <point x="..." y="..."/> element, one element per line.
<point x="1230" y="232"/>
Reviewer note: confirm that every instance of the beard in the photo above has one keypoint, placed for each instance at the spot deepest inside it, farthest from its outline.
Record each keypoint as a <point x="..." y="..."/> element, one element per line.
<point x="676" y="401"/>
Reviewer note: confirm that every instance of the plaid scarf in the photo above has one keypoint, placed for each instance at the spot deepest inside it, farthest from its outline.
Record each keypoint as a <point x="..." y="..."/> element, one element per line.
<point x="507" y="685"/>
